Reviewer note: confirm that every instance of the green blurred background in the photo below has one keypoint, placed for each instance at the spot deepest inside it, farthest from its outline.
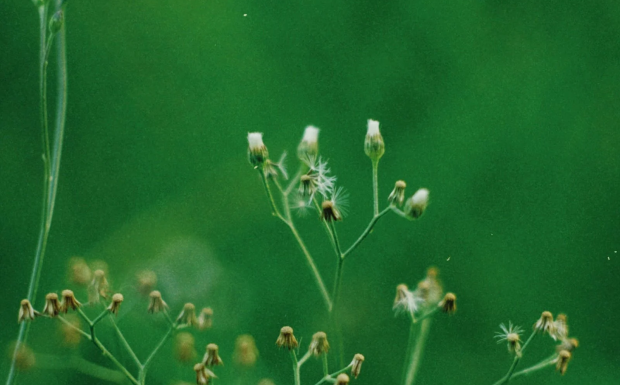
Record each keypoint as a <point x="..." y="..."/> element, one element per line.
<point x="507" y="111"/>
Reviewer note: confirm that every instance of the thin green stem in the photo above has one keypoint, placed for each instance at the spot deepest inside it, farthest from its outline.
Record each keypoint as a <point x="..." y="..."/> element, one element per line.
<point x="333" y="375"/>
<point x="107" y="353"/>
<point x="369" y="228"/>
<point x="274" y="207"/>
<point x="375" y="186"/>
<point x="100" y="317"/>
<point x="332" y="227"/>
<point x="159" y="346"/>
<point x="295" y="367"/>
<point x="426" y="315"/>
<point x="330" y="235"/>
<point x="125" y="343"/>
<point x="399" y="212"/>
<point x="68" y="323"/>
<point x="515" y="362"/>
<point x="304" y="358"/>
<point x="325" y="365"/>
<point x="534" y="368"/>
<point x="292" y="183"/>
<point x="416" y="357"/>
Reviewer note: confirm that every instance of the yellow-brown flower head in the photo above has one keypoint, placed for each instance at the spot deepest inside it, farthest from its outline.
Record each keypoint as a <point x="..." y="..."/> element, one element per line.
<point x="147" y="280"/>
<point x="397" y="196"/>
<point x="448" y="305"/>
<point x="356" y="365"/>
<point x="545" y="324"/>
<point x="79" y="272"/>
<point x="26" y="312"/>
<point x="52" y="305"/>
<point x="203" y="375"/>
<point x="69" y="301"/>
<point x="246" y="352"/>
<point x="514" y="343"/>
<point x="184" y="347"/>
<point x="156" y="303"/>
<point x="205" y="318"/>
<point x="117" y="299"/>
<point x="329" y="212"/>
<point x="562" y="363"/>
<point x="287" y="339"/>
<point x="342" y="379"/>
<point x="561" y="327"/>
<point x="319" y="344"/>
<point x="212" y="357"/>
<point x="188" y="315"/>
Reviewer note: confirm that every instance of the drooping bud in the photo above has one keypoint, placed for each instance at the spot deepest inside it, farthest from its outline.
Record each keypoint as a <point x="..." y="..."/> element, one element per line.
<point x="117" y="299"/>
<point x="52" y="305"/>
<point x="568" y="344"/>
<point x="257" y="151"/>
<point x="561" y="327"/>
<point x="156" y="303"/>
<point x="26" y="312"/>
<point x="98" y="287"/>
<point x="203" y="375"/>
<point x="188" y="315"/>
<point x="307" y="186"/>
<point x="147" y="280"/>
<point x="330" y="212"/>
<point x="545" y="323"/>
<point x="56" y="22"/>
<point x="319" y="344"/>
<point x="246" y="352"/>
<point x="205" y="318"/>
<point x="562" y="364"/>
<point x="356" y="365"/>
<point x="416" y="205"/>
<point x="69" y="301"/>
<point x="448" y="304"/>
<point x="514" y="344"/>
<point x="342" y="379"/>
<point x="309" y="145"/>
<point x="212" y="357"/>
<point x="397" y="196"/>
<point x="373" y="145"/>
<point x="287" y="339"/>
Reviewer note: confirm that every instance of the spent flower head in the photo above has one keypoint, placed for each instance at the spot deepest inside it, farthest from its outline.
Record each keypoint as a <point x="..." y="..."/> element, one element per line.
<point x="203" y="375"/>
<point x="342" y="379"/>
<point x="397" y="196"/>
<point x="246" y="352"/>
<point x="69" y="301"/>
<point x="512" y="335"/>
<point x="287" y="339"/>
<point x="335" y="208"/>
<point x="319" y="344"/>
<point x="52" y="305"/>
<point x="156" y="303"/>
<point x="448" y="304"/>
<point x="562" y="361"/>
<point x="356" y="365"/>
<point x="545" y="324"/>
<point x="561" y="327"/>
<point x="318" y="178"/>
<point x="212" y="357"/>
<point x="205" y="318"/>
<point x="26" y="311"/>
<point x="188" y="315"/>
<point x="406" y="301"/>
<point x="115" y="305"/>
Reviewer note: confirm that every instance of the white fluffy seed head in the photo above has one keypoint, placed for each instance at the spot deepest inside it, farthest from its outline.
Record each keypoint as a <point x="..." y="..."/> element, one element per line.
<point x="420" y="197"/>
<point x="373" y="128"/>
<point x="311" y="135"/>
<point x="255" y="140"/>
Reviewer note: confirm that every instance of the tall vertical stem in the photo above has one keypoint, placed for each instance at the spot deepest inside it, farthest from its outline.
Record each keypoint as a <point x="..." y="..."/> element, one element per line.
<point x="416" y="356"/>
<point x="375" y="186"/>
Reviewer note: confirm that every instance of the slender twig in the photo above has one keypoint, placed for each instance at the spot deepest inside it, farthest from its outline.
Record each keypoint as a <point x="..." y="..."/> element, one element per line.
<point x="369" y="228"/>
<point x="54" y="362"/>
<point x="159" y="345"/>
<point x="274" y="207"/>
<point x="325" y="366"/>
<point x="295" y="367"/>
<point x="331" y="376"/>
<point x="68" y="323"/>
<point x="125" y="343"/>
<point x="375" y="186"/>
<point x="304" y="358"/>
<point x="416" y="356"/>
<point x="534" y="368"/>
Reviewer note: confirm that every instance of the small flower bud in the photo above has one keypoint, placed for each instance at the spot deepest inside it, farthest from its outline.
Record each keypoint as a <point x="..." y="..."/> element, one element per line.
<point x="98" y="287"/>
<point x="287" y="339"/>
<point x="257" y="152"/>
<point x="79" y="271"/>
<point x="319" y="344"/>
<point x="203" y="375"/>
<point x="69" y="301"/>
<point x="373" y="145"/>
<point x="147" y="279"/>
<point x="246" y="352"/>
<point x="448" y="305"/>
<point x="307" y="186"/>
<point x="562" y="363"/>
<point x="545" y="323"/>
<point x="514" y="344"/>
<point x="397" y="196"/>
<point x="56" y="22"/>
<point x="156" y="303"/>
<point x="330" y="212"/>
<point x="205" y="318"/>
<point x="26" y="312"/>
<point x="117" y="299"/>
<point x="188" y="315"/>
<point x="561" y="327"/>
<point x="342" y="379"/>
<point x="356" y="365"/>
<point x="184" y="347"/>
<point x="416" y="205"/>
<point x="52" y="305"/>
<point x="211" y="357"/>
<point x="309" y="145"/>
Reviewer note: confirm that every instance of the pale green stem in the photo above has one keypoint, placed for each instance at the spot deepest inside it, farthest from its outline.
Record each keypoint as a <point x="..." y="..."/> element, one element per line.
<point x="304" y="358"/>
<point x="534" y="368"/>
<point x="54" y="362"/>
<point x="400" y="212"/>
<point x="426" y="315"/>
<point x="295" y="367"/>
<point x="274" y="207"/>
<point x="144" y="368"/>
<point x="325" y="366"/>
<point x="515" y="362"/>
<point x="375" y="186"/>
<point x="125" y="343"/>
<point x="292" y="183"/>
<point x="369" y="228"/>
<point x="416" y="356"/>
<point x="333" y="375"/>
<point x="68" y="323"/>
<point x="100" y="317"/>
<point x="330" y="235"/>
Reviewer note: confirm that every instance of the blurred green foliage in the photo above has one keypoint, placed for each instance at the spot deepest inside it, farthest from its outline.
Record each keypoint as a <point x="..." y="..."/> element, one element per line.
<point x="507" y="111"/>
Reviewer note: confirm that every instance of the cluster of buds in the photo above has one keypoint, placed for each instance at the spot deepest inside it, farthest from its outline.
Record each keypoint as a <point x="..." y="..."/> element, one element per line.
<point x="426" y="298"/>
<point x="210" y="360"/>
<point x="414" y="206"/>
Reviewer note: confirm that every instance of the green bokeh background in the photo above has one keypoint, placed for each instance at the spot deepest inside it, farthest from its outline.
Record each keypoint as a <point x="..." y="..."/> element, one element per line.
<point x="508" y="111"/>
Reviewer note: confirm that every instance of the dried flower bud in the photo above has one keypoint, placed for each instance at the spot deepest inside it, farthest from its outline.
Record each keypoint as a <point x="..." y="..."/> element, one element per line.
<point x="117" y="299"/>
<point x="211" y="357"/>
<point x="98" y="287"/>
<point x="70" y="330"/>
<point x="156" y="303"/>
<point x="26" y="312"/>
<point x="342" y="379"/>
<point x="562" y="363"/>
<point x="286" y="339"/>
<point x="257" y="152"/>
<point x="416" y="205"/>
<point x="568" y="344"/>
<point x="246" y="352"/>
<point x="147" y="280"/>
<point x="397" y="196"/>
<point x="561" y="327"/>
<point x="514" y="343"/>
<point x="203" y="375"/>
<point x="356" y="365"/>
<point x="307" y="186"/>
<point x="545" y="323"/>
<point x="184" y="347"/>
<point x="448" y="305"/>
<point x="373" y="145"/>
<point x="319" y="344"/>
<point x="406" y="301"/>
<point x="309" y="145"/>
<point x="79" y="271"/>
<point x="330" y="212"/>
<point x="69" y="301"/>
<point x="52" y="305"/>
<point x="205" y="318"/>
<point x="188" y="315"/>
